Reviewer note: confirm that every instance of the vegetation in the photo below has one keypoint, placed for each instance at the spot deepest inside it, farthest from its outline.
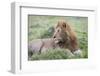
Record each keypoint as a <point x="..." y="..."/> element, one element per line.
<point x="55" y="54"/>
<point x="42" y="27"/>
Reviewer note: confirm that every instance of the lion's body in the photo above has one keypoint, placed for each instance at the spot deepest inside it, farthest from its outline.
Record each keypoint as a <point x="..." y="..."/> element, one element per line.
<point x="41" y="45"/>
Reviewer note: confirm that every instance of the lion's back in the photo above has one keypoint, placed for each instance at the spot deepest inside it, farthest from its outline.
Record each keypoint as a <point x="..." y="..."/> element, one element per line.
<point x="35" y="45"/>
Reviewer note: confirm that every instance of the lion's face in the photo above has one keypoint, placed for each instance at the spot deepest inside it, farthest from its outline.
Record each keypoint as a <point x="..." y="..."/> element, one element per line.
<point x="65" y="36"/>
<point x="60" y="35"/>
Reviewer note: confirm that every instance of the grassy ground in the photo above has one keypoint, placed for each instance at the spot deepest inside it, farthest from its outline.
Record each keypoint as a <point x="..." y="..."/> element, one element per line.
<point x="55" y="54"/>
<point x="42" y="27"/>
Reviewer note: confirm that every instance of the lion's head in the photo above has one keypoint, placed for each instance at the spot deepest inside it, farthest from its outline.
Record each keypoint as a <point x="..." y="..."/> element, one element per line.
<point x="65" y="37"/>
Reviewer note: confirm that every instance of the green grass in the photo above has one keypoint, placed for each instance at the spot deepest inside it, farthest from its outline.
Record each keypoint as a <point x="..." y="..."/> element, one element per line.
<point x="42" y="27"/>
<point x="55" y="54"/>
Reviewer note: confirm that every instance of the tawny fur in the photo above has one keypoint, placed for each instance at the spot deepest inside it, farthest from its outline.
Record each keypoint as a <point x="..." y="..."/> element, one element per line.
<point x="63" y="37"/>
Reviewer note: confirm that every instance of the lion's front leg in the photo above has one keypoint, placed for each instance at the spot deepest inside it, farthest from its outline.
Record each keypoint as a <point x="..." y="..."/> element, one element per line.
<point x="78" y="52"/>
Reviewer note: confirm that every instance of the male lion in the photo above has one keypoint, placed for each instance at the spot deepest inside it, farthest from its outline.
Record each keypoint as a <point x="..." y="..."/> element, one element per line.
<point x="63" y="37"/>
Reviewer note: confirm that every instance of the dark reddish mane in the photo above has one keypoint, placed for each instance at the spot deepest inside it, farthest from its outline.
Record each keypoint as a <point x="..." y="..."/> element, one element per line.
<point x="73" y="45"/>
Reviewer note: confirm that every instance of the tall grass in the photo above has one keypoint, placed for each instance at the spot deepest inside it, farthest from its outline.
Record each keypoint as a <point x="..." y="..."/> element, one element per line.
<point x="51" y="54"/>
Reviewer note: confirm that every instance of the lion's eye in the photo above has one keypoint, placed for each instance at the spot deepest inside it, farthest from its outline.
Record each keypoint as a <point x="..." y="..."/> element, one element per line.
<point x="58" y="30"/>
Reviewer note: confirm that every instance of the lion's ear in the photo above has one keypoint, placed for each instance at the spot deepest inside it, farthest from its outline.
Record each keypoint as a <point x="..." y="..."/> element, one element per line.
<point x="64" y="25"/>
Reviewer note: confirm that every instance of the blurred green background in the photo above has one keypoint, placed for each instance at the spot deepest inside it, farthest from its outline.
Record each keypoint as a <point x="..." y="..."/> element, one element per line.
<point x="42" y="27"/>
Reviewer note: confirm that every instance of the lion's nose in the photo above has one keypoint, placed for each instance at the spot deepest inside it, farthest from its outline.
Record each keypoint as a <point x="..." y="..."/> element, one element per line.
<point x="54" y="36"/>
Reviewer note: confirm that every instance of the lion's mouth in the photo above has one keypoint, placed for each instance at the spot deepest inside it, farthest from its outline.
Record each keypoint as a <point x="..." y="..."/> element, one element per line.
<point x="59" y="41"/>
